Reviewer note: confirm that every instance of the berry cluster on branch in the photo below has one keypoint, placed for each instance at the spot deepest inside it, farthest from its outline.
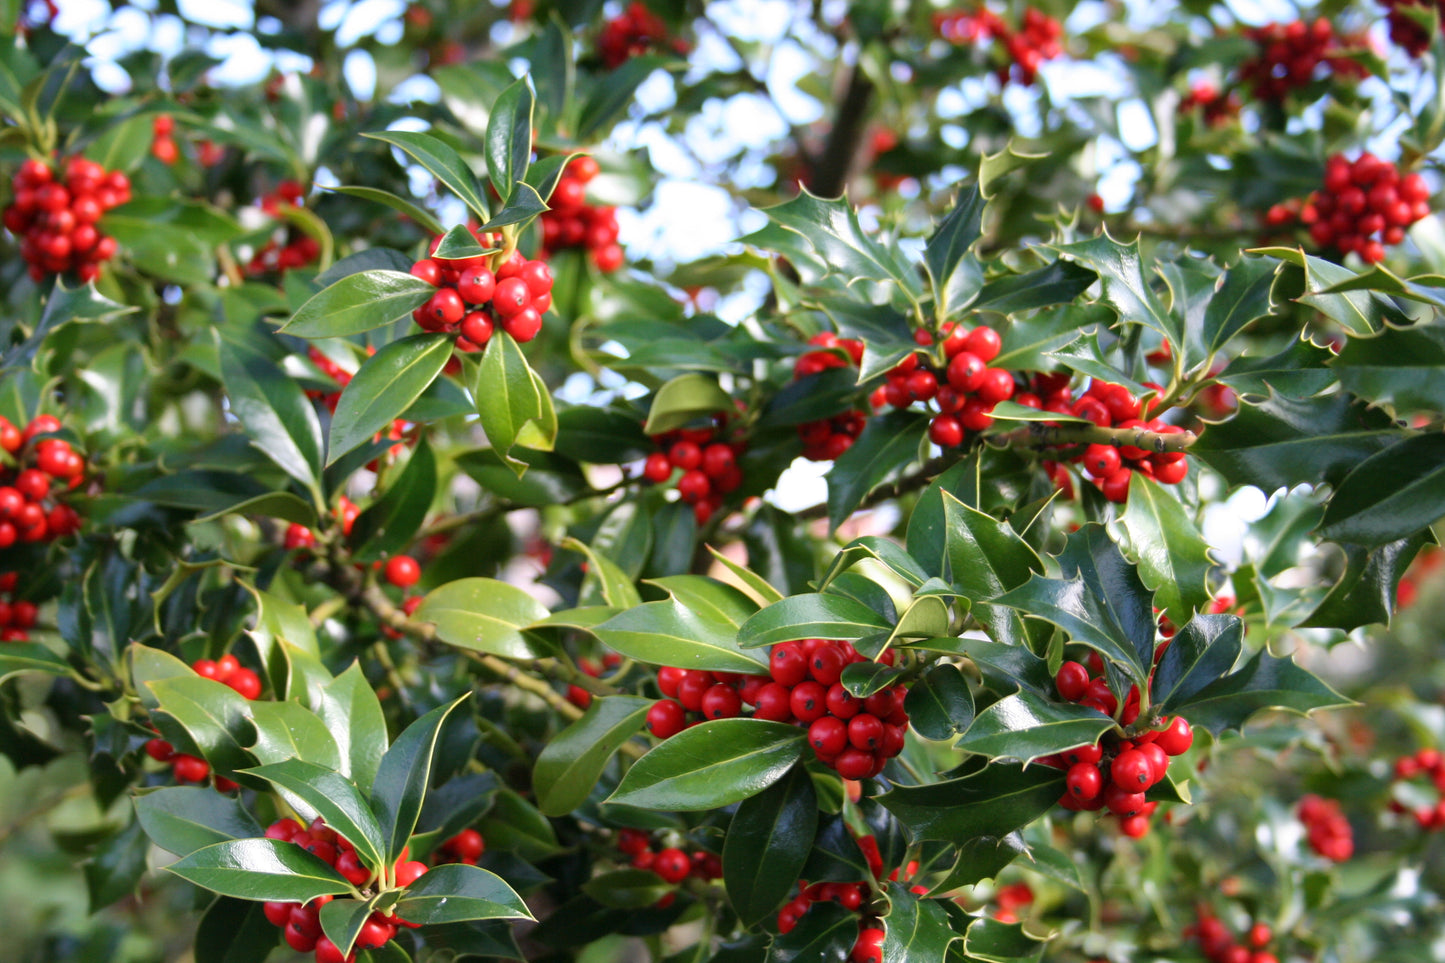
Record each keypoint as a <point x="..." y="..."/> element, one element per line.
<point x="1296" y="54"/>
<point x="56" y="222"/>
<point x="476" y="294"/>
<point x="570" y="222"/>
<point x="1326" y="828"/>
<point x="41" y="469"/>
<point x="1416" y="778"/>
<point x="708" y="460"/>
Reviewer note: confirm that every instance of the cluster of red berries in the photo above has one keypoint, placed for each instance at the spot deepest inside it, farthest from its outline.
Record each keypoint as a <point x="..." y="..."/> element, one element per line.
<point x="301" y="922"/>
<point x="1365" y="204"/>
<point x="671" y="863"/>
<point x="1427" y="765"/>
<point x="163" y="144"/>
<point x="708" y="461"/>
<point x="288" y="248"/>
<point x="1039" y="39"/>
<point x="853" y="897"/>
<point x="17" y="616"/>
<point x="1219" y="946"/>
<point x="1010" y="899"/>
<point x="1116" y="773"/>
<point x="580" y="697"/>
<point x="466" y="846"/>
<point x="1217" y="108"/>
<point x="1326" y="827"/>
<point x="400" y="428"/>
<point x="570" y="222"/>
<point x="228" y="671"/>
<point x="1290" y="55"/>
<point x="56" y="222"/>
<point x="300" y="537"/>
<point x="828" y="438"/>
<point x="694" y="695"/>
<point x="965" y="391"/>
<point x="42" y="468"/>
<point x="476" y="294"/>
<point x="632" y="33"/>
<point x="1112" y="406"/>
<point x="1405" y="32"/>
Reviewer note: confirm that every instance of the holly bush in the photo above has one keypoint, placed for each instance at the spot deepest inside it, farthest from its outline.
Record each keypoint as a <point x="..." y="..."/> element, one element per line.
<point x="721" y="482"/>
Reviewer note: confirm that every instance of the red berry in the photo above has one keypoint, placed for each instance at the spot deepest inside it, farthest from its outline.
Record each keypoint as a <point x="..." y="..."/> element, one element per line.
<point x="945" y="431"/>
<point x="774" y="703"/>
<point x="965" y="372"/>
<point x="842" y="703"/>
<point x="1177" y="738"/>
<point x="983" y="343"/>
<point x="657" y="469"/>
<point x="828" y="736"/>
<point x="403" y="571"/>
<point x="721" y="701"/>
<point x="525" y="325"/>
<point x="408" y="872"/>
<point x="190" y="768"/>
<point x="476" y="285"/>
<point x="787" y="664"/>
<point x="865" y="731"/>
<point x="808" y="701"/>
<point x="1084" y="781"/>
<point x="246" y="682"/>
<point x="854" y="763"/>
<point x="666" y="718"/>
<point x="510" y="297"/>
<point x="1072" y="680"/>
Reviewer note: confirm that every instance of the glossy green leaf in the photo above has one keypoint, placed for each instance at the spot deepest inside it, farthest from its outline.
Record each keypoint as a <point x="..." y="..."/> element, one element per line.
<point x="1201" y="652"/>
<point x="30" y="657"/>
<point x="994" y="801"/>
<point x="944" y="254"/>
<point x="685" y="399"/>
<point x="605" y="577"/>
<point x="483" y="614"/>
<point x="987" y="559"/>
<point x="813" y="616"/>
<point x="359" y="303"/>
<point x="1089" y="617"/>
<point x="513" y="401"/>
<point x="570" y="765"/>
<point x="1263" y="682"/>
<point x="116" y="866"/>
<point x="279" y="419"/>
<point x="289" y="730"/>
<point x="1003" y="666"/>
<point x="627" y="888"/>
<point x="442" y="162"/>
<point x="669" y="633"/>
<point x="1029" y="343"/>
<point x="335" y="798"/>
<point x="1297" y="371"/>
<point x="1360" y="312"/>
<point x="402" y="779"/>
<point x="1282" y="442"/>
<point x="980" y="858"/>
<point x="1400" y="367"/>
<point x="424" y="218"/>
<point x="940" y="704"/>
<point x="389" y="523"/>
<point x="508" y="144"/>
<point x="456" y="892"/>
<point x="352" y="713"/>
<point x="1058" y="283"/>
<point x="514" y="825"/>
<point x="458" y="244"/>
<point x="1172" y="556"/>
<point x="235" y="931"/>
<point x="767" y="845"/>
<point x="825" y="934"/>
<point x="831" y="228"/>
<point x="342" y="919"/>
<point x="260" y="869"/>
<point x="1242" y="299"/>
<point x="1365" y="591"/>
<point x="710" y="765"/>
<point x="212" y="717"/>
<point x="524" y="204"/>
<point x="1026" y="726"/>
<point x="990" y="941"/>
<point x="887" y="446"/>
<point x="1121" y="273"/>
<point x="757" y="588"/>
<point x="916" y="928"/>
<point x="1390" y="495"/>
<point x="384" y="387"/>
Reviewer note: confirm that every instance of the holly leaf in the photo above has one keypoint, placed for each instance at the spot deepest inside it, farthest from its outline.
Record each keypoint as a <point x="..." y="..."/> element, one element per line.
<point x="1121" y="274"/>
<point x="954" y="278"/>
<point x="442" y="161"/>
<point x="1263" y="682"/>
<point x="987" y="559"/>
<point x="457" y="892"/>
<point x="1243" y="298"/>
<point x="886" y="446"/>
<point x="916" y="929"/>
<point x="817" y="615"/>
<point x="670" y="633"/>
<point x="1365" y="592"/>
<point x="359" y="303"/>
<point x="1026" y="726"/>
<point x="831" y="228"/>
<point x="1389" y="496"/>
<point x="1403" y="368"/>
<point x="994" y="801"/>
<point x="940" y="704"/>
<point x="509" y="136"/>
<point x="484" y="615"/>
<point x="1201" y="652"/>
<point x="402" y="778"/>
<point x="260" y="869"/>
<point x="711" y="765"/>
<point x="767" y="844"/>
<point x="383" y="388"/>
<point x="570" y="766"/>
<point x="1172" y="556"/>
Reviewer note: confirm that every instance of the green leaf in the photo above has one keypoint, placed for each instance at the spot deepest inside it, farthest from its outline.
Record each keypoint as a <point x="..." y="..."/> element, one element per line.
<point x="483" y="614"/>
<point x="384" y="387"/>
<point x="342" y="919"/>
<point x="767" y="845"/>
<point x="1263" y="682"/>
<point x="606" y="101"/>
<point x="116" y="866"/>
<point x="940" y="704"/>
<point x="235" y="931"/>
<point x="987" y="559"/>
<point x="881" y="549"/>
<point x="1360" y="312"/>
<point x="1121" y="273"/>
<point x="424" y="219"/>
<point x="831" y="228"/>
<point x="1173" y="557"/>
<point x="1365" y="592"/>
<point x="211" y="716"/>
<point x="359" y="303"/>
<point x="1281" y="442"/>
<point x="605" y="577"/>
<point x="289" y="730"/>
<point x="989" y="941"/>
<point x="946" y="250"/>
<point x="260" y="869"/>
<point x="1201" y="652"/>
<point x="508" y="144"/>
<point x="685" y="399"/>
<point x="390" y="522"/>
<point x="402" y="779"/>
<point x="1003" y="666"/>
<point x="1029" y="343"/>
<point x="277" y="416"/>
<point x="458" y="244"/>
<point x="994" y="801"/>
<point x="1298" y="371"/>
<point x="335" y="798"/>
<point x="523" y="205"/>
<point x="980" y="858"/>
<point x="353" y="714"/>
<point x="456" y="892"/>
<point x="30" y="657"/>
<point x="757" y="588"/>
<point x="1026" y="726"/>
<point x="812" y="616"/>
<point x="1243" y="298"/>
<point x="572" y="763"/>
<point x="1058" y="283"/>
<point x="1390" y="495"/>
<point x="710" y="765"/>
<point x="627" y="888"/>
<point x="670" y="633"/>
<point x="513" y="401"/>
<point x="442" y="162"/>
<point x="600" y="436"/>
<point x="1400" y="367"/>
<point x="887" y="446"/>
<point x="917" y="929"/>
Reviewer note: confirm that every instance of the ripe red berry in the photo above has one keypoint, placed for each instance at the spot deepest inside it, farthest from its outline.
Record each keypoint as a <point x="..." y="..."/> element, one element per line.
<point x="842" y="703"/>
<point x="721" y="701"/>
<point x="525" y="325"/>
<point x="854" y="763"/>
<point x="1084" y="781"/>
<point x="246" y="682"/>
<point x="787" y="664"/>
<point x="190" y="768"/>
<point x="995" y="385"/>
<point x="965" y="372"/>
<point x="666" y="718"/>
<point x="443" y="309"/>
<point x="510" y="297"/>
<point x="403" y="571"/>
<point x="865" y="731"/>
<point x="476" y="285"/>
<point x="1131" y="770"/>
<point x="828" y="736"/>
<point x="672" y="865"/>
<point x="409" y="872"/>
<point x="945" y="431"/>
<point x="774" y="703"/>
<point x="825" y="664"/>
<point x="694" y="486"/>
<point x="1071" y="681"/>
<point x="983" y="343"/>
<point x="1177" y="738"/>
